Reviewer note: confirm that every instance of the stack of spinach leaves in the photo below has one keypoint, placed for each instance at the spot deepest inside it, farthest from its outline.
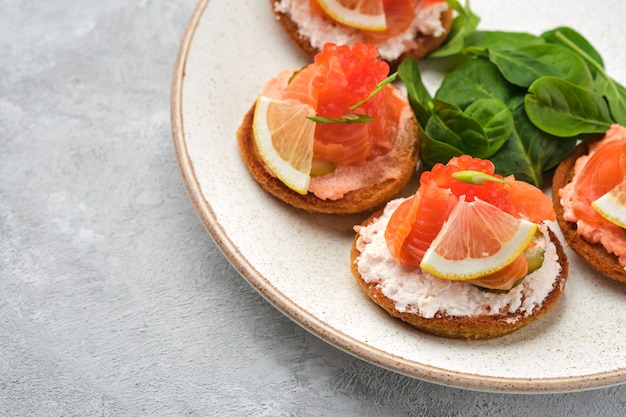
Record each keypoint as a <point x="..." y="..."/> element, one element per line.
<point x="520" y="100"/>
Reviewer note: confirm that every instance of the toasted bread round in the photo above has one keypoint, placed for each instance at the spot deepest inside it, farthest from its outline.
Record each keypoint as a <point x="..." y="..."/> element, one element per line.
<point x="469" y="327"/>
<point x="360" y="200"/>
<point x="424" y="44"/>
<point x="593" y="253"/>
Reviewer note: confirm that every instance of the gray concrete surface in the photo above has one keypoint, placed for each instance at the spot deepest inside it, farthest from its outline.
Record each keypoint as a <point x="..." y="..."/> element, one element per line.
<point x="114" y="301"/>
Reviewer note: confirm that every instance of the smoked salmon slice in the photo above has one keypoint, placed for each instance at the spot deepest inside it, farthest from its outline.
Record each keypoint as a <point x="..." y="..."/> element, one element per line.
<point x="338" y="79"/>
<point x="604" y="170"/>
<point x="417" y="221"/>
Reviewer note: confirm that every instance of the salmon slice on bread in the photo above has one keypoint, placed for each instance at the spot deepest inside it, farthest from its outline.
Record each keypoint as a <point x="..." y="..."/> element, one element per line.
<point x="593" y="253"/>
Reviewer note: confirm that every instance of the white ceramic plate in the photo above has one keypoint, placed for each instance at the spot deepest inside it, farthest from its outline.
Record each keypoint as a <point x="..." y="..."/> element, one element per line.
<point x="300" y="262"/>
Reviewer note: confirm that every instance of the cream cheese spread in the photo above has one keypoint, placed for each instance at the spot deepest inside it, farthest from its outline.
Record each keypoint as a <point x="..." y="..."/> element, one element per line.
<point x="320" y="30"/>
<point x="416" y="291"/>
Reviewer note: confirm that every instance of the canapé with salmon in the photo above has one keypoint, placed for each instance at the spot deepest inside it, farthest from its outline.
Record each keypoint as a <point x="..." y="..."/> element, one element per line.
<point x="399" y="28"/>
<point x="589" y="195"/>
<point x="469" y="256"/>
<point x="333" y="137"/>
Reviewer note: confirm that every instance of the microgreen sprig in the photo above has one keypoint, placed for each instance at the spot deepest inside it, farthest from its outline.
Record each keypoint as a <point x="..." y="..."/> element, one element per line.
<point x="376" y="89"/>
<point x="476" y="177"/>
<point x="356" y="117"/>
<point x="346" y="118"/>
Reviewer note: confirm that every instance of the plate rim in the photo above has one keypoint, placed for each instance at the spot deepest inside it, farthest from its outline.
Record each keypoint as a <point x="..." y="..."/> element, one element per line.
<point x="315" y="325"/>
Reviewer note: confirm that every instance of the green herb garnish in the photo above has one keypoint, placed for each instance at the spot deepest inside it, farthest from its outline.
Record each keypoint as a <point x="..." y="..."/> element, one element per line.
<point x="476" y="177"/>
<point x="295" y="74"/>
<point x="376" y="89"/>
<point x="356" y="117"/>
<point x="346" y="118"/>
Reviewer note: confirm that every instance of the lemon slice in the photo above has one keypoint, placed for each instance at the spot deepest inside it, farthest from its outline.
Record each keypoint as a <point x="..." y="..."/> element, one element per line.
<point x="284" y="139"/>
<point x="477" y="239"/>
<point x="359" y="14"/>
<point x="612" y="205"/>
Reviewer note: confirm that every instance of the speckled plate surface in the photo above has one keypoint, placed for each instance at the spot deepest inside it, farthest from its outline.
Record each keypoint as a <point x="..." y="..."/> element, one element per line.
<point x="300" y="262"/>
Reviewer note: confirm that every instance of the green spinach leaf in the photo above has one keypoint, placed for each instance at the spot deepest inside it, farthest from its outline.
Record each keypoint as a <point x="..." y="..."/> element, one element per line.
<point x="433" y="151"/>
<point x="473" y="80"/>
<point x="615" y="95"/>
<point x="418" y="95"/>
<point x="479" y="131"/>
<point x="521" y="66"/>
<point x="512" y="159"/>
<point x="574" y="38"/>
<point x="529" y="152"/>
<point x="450" y="125"/>
<point x="479" y="41"/>
<point x="563" y="109"/>
<point x="495" y="119"/>
<point x="463" y="24"/>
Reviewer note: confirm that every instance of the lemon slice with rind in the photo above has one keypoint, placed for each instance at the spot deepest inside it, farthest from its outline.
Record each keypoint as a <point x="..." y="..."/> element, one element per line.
<point x="612" y="205"/>
<point x="284" y="139"/>
<point x="477" y="239"/>
<point x="359" y="14"/>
